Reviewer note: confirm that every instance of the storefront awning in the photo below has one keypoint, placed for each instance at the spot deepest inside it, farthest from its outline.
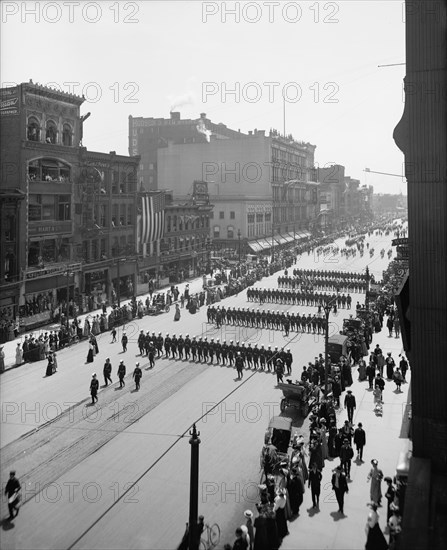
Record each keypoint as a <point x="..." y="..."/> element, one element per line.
<point x="279" y="239"/>
<point x="289" y="237"/>
<point x="265" y="244"/>
<point x="255" y="246"/>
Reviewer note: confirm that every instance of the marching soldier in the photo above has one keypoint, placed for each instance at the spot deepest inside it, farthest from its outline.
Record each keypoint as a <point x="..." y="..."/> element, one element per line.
<point x="194" y="346"/>
<point x="151" y="354"/>
<point x="288" y="361"/>
<point x="218" y="349"/>
<point x="174" y="344"/>
<point x="167" y="345"/>
<point x="141" y="342"/>
<point x="159" y="344"/>
<point x="200" y="350"/>
<point x="231" y="351"/>
<point x="187" y="347"/>
<point x="262" y="357"/>
<point x="205" y="350"/>
<point x="211" y="350"/>
<point x="224" y="352"/>
<point x="180" y="346"/>
<point x="256" y="356"/>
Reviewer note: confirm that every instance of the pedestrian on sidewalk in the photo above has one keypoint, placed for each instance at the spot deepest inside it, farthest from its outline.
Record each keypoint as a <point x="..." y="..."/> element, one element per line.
<point x="19" y="355"/>
<point x="390" y="364"/>
<point x="379" y="384"/>
<point x="94" y="386"/>
<point x="359" y="441"/>
<point x="315" y="477"/>
<point x="340" y="487"/>
<point x="137" y="374"/>
<point x="350" y="405"/>
<point x="398" y="379"/>
<point x="371" y="373"/>
<point x="124" y="341"/>
<point x="91" y="353"/>
<point x="375" y="476"/>
<point x="113" y="335"/>
<point x="375" y="539"/>
<point x="122" y="373"/>
<point x="403" y="365"/>
<point x="390" y="493"/>
<point x="346" y="455"/>
<point x="249" y="524"/>
<point x="107" y="371"/>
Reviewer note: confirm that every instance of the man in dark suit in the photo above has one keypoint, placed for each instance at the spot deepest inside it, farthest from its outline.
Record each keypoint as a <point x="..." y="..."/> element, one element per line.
<point x="340" y="487"/>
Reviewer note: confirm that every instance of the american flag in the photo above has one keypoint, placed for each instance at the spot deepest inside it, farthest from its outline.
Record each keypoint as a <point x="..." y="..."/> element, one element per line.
<point x="152" y="217"/>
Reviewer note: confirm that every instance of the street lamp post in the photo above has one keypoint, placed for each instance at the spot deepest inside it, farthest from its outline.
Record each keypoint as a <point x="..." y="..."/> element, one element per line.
<point x="327" y="310"/>
<point x="367" y="288"/>
<point x="194" y="489"/>
<point x="239" y="237"/>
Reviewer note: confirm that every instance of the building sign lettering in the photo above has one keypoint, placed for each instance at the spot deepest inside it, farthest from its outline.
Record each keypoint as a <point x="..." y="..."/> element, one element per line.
<point x="44" y="228"/>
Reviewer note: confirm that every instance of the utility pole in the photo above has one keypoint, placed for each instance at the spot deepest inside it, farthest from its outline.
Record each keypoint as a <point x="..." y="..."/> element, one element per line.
<point x="194" y="489"/>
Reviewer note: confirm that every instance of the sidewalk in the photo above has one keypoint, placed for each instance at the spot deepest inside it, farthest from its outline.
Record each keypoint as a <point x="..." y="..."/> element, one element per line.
<point x="9" y="348"/>
<point x="386" y="437"/>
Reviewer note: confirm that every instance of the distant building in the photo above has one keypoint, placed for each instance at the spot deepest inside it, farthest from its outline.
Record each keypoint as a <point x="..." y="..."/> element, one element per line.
<point x="260" y="185"/>
<point x="389" y="204"/>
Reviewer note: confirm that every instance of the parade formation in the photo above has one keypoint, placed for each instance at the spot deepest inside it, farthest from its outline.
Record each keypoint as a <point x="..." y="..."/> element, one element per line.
<point x="314" y="390"/>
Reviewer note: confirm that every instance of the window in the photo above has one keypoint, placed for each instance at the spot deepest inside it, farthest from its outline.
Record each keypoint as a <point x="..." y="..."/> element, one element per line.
<point x="51" y="132"/>
<point x="250" y="218"/>
<point x="268" y="217"/>
<point x="230" y="232"/>
<point x="211" y="215"/>
<point x="64" y="207"/>
<point x="129" y="214"/>
<point x="49" y="170"/>
<point x="216" y="232"/>
<point x="221" y="215"/>
<point x="259" y="217"/>
<point x="232" y="215"/>
<point x="41" y="207"/>
<point x="33" y="129"/>
<point x="67" y="135"/>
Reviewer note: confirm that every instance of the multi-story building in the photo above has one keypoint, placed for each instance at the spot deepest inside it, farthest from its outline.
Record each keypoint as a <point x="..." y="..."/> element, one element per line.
<point x="245" y="174"/>
<point x="185" y="248"/>
<point x="105" y="221"/>
<point x="147" y="135"/>
<point x="40" y="136"/>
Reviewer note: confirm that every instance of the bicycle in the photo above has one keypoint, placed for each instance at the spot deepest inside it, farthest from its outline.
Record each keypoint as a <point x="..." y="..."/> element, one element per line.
<point x="212" y="537"/>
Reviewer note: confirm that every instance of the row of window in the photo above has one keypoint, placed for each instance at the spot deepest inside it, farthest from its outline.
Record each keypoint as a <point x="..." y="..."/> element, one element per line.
<point x="51" y="133"/>
<point x="122" y="215"/>
<point x="95" y="250"/>
<point x="222" y="215"/>
<point x="49" y="207"/>
<point x="178" y="244"/>
<point x="186" y="222"/>
<point x="251" y="218"/>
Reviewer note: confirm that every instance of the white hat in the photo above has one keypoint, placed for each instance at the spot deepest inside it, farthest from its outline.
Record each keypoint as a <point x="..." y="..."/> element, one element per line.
<point x="248" y="514"/>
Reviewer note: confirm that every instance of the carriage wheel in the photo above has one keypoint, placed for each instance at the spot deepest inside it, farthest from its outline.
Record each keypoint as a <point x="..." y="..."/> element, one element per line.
<point x="214" y="534"/>
<point x="283" y="405"/>
<point x="167" y="309"/>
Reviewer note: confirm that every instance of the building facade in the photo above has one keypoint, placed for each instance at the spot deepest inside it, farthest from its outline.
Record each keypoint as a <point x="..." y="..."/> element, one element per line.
<point x="105" y="226"/>
<point x="40" y="136"/>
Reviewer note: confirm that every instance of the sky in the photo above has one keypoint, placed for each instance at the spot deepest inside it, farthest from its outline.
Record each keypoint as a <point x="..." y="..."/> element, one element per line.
<point x="239" y="62"/>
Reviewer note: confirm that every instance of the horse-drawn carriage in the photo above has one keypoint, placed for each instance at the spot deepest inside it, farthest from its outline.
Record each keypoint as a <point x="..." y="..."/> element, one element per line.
<point x="301" y="396"/>
<point x="275" y="452"/>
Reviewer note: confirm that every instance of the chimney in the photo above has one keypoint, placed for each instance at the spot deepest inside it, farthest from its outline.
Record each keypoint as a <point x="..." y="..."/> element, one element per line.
<point x="203" y="115"/>
<point x="250" y="132"/>
<point x="175" y="115"/>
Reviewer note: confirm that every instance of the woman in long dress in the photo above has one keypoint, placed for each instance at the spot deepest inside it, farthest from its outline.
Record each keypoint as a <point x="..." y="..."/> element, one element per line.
<point x="280" y="509"/>
<point x="90" y="354"/>
<point x="376" y="476"/>
<point x="362" y="370"/>
<point x="177" y="313"/>
<point x="49" y="371"/>
<point x="19" y="355"/>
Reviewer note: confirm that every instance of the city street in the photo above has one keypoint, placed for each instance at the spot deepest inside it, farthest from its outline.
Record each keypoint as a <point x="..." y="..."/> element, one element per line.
<point x="120" y="470"/>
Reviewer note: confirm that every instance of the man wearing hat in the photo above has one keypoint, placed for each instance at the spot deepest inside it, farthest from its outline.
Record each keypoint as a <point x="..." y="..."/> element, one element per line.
<point x="122" y="373"/>
<point x="137" y="374"/>
<point x="350" y="405"/>
<point x="249" y="524"/>
<point x="107" y="371"/>
<point x="94" y="387"/>
<point x="340" y="487"/>
<point x="346" y="455"/>
<point x="12" y="491"/>
<point x="359" y="440"/>
<point x="124" y="341"/>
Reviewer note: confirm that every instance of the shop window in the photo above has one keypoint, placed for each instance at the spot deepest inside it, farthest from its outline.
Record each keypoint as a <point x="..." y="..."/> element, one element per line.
<point x="48" y="251"/>
<point x="216" y="232"/>
<point x="51" y="132"/>
<point x="230" y="232"/>
<point x="67" y="135"/>
<point x="33" y="129"/>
